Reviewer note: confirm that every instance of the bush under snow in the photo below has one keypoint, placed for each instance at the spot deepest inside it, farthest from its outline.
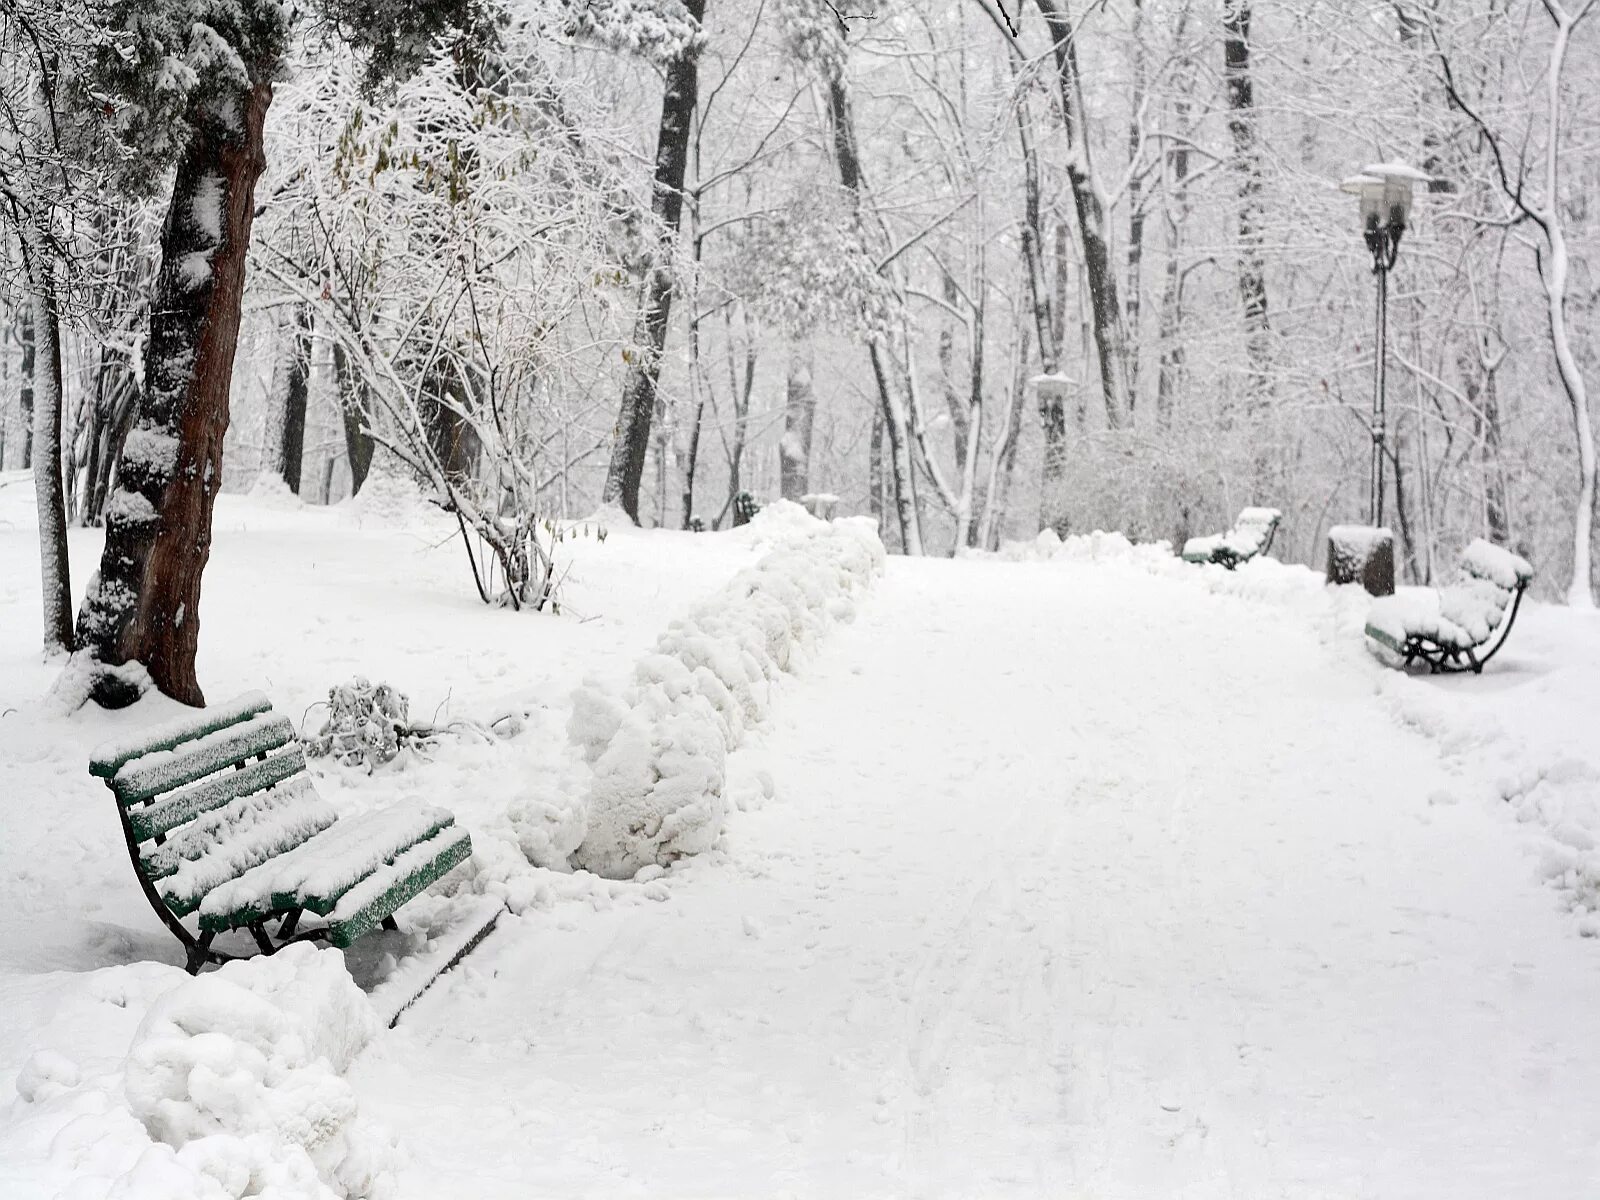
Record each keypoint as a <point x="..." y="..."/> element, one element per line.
<point x="659" y="747"/>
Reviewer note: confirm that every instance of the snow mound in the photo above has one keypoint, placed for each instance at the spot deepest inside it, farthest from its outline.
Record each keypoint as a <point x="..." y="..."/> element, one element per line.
<point x="659" y="748"/>
<point x="271" y="490"/>
<point x="232" y="1087"/>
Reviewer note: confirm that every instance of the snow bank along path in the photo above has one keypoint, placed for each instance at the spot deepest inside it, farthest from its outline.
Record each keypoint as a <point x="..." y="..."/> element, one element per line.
<point x="1076" y="879"/>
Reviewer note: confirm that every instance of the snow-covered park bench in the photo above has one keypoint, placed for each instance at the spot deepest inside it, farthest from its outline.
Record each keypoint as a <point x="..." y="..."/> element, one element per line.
<point x="225" y="829"/>
<point x="1251" y="535"/>
<point x="1459" y="627"/>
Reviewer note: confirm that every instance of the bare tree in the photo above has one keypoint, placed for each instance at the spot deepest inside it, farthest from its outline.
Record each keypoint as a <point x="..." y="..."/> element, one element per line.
<point x="1533" y="193"/>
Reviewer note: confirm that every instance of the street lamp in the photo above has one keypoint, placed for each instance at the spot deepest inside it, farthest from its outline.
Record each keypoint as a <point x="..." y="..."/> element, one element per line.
<point x="1385" y="193"/>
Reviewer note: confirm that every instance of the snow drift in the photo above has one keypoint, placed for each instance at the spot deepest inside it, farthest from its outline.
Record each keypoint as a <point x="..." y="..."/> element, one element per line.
<point x="232" y="1086"/>
<point x="658" y="747"/>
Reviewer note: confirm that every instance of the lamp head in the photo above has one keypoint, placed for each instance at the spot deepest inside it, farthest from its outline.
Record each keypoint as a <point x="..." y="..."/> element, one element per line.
<point x="1393" y="197"/>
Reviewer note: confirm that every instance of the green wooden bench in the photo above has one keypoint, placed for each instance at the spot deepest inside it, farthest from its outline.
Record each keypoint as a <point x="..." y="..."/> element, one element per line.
<point x="227" y="833"/>
<point x="1251" y="535"/>
<point x="1461" y="626"/>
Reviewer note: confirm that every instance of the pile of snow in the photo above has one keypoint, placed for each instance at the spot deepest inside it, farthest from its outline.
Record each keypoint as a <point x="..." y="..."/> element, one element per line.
<point x="233" y="1086"/>
<point x="658" y="747"/>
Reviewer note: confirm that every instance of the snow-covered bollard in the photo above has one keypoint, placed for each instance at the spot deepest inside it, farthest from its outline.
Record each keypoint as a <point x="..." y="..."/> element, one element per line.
<point x="820" y="505"/>
<point x="1362" y="554"/>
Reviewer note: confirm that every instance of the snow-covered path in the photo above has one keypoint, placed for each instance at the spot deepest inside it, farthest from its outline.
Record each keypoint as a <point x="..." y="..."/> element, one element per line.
<point x="1078" y="881"/>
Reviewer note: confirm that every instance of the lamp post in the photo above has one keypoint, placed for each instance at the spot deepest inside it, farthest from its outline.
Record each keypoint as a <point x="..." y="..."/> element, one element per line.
<point x="1385" y="193"/>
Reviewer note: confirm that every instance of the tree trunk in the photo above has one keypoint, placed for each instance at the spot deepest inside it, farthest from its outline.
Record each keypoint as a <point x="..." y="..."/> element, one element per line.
<point x="875" y="480"/>
<point x="799" y="418"/>
<point x="145" y="603"/>
<point x="1169" y="373"/>
<point x="1004" y="462"/>
<point x="678" y="104"/>
<point x="1485" y="401"/>
<point x="116" y="404"/>
<point x="1110" y="338"/>
<point x="1580" y="594"/>
<point x="1047" y="321"/>
<point x="1048" y="317"/>
<point x="894" y="417"/>
<point x="1247" y="163"/>
<point x="1136" y="215"/>
<point x="699" y="387"/>
<point x="25" y="379"/>
<point x="292" y="387"/>
<point x="953" y="403"/>
<point x="353" y="412"/>
<point x="44" y="383"/>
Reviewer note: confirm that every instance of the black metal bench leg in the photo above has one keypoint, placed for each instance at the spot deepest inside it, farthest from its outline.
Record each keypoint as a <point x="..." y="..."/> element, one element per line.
<point x="259" y="932"/>
<point x="286" y="930"/>
<point x="198" y="953"/>
<point x="390" y="923"/>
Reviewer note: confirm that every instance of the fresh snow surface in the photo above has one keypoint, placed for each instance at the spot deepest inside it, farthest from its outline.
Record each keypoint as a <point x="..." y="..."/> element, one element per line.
<point x="1073" y="871"/>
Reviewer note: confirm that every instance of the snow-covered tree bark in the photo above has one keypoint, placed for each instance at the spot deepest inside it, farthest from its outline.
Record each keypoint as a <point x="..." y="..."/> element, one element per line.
<point x="632" y="445"/>
<point x="283" y="450"/>
<point x="144" y="605"/>
<point x="48" y="488"/>
<point x="847" y="155"/>
<point x="1110" y="336"/>
<point x="799" y="417"/>
<point x="28" y="139"/>
<point x="1247" y="166"/>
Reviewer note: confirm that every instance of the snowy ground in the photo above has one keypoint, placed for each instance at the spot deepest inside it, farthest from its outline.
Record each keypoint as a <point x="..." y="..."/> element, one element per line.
<point x="1090" y="876"/>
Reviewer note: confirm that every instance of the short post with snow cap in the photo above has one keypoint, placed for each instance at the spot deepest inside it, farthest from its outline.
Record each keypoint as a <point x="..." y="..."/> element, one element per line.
<point x="1053" y="390"/>
<point x="1384" y="190"/>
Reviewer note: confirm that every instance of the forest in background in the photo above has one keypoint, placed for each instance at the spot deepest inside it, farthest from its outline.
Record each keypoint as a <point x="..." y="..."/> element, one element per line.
<point x="536" y="254"/>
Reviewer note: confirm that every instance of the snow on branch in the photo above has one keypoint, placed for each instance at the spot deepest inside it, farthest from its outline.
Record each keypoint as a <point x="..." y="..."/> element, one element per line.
<point x="659" y="30"/>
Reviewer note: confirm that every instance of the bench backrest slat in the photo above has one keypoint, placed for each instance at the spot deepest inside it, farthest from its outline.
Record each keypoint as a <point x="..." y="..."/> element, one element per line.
<point x="184" y="805"/>
<point x="149" y="775"/>
<point x="109" y="757"/>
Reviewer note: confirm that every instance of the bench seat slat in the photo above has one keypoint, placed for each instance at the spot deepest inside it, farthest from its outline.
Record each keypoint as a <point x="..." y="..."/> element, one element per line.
<point x="163" y="770"/>
<point x="109" y="757"/>
<point x="226" y="842"/>
<point x="316" y="873"/>
<point x="173" y="810"/>
<point x="364" y="906"/>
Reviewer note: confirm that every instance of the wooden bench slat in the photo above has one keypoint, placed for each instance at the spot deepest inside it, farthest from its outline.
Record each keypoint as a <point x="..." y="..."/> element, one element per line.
<point x="225" y="843"/>
<point x="315" y="874"/>
<point x="365" y="905"/>
<point x="171" y="811"/>
<point x="109" y="757"/>
<point x="163" y="770"/>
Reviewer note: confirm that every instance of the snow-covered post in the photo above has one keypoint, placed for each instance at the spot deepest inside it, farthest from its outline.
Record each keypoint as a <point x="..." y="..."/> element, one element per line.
<point x="1053" y="389"/>
<point x="1362" y="554"/>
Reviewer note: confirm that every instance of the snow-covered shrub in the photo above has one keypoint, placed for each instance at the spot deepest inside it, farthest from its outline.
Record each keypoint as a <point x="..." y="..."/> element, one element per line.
<point x="367" y="725"/>
<point x="659" y="748"/>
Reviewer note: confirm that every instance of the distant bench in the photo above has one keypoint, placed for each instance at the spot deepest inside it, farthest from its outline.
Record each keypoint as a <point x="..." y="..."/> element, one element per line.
<point x="1251" y="535"/>
<point x="224" y="826"/>
<point x="1459" y="627"/>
